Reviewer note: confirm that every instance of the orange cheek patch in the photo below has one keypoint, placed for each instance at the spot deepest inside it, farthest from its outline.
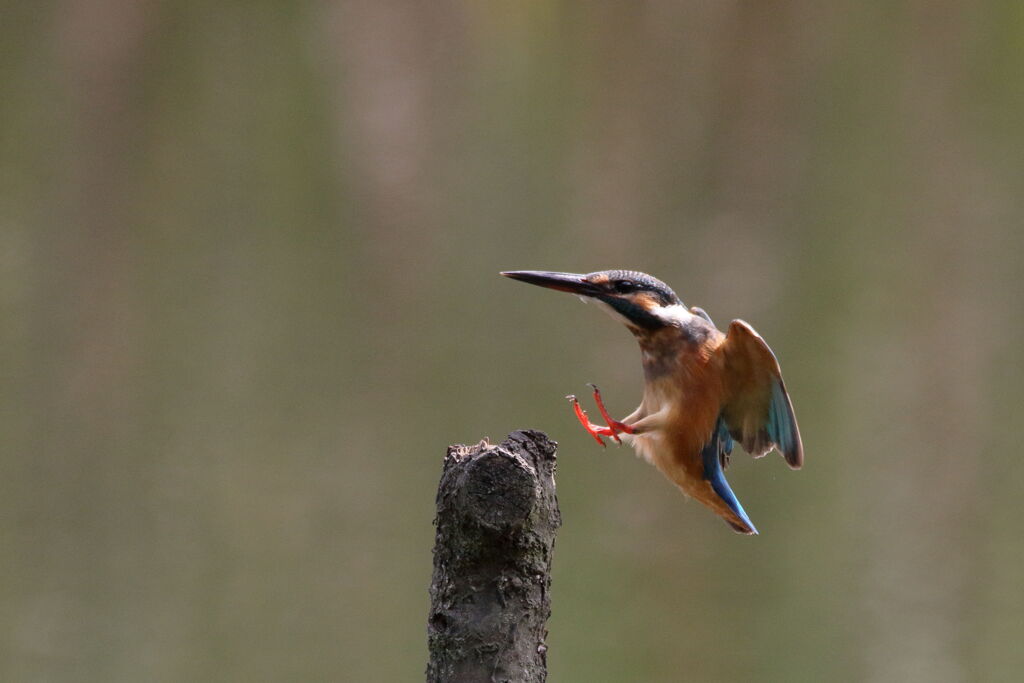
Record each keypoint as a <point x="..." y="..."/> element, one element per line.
<point x="644" y="301"/>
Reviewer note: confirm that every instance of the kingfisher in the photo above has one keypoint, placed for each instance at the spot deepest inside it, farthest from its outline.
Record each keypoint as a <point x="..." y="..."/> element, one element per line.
<point x="704" y="389"/>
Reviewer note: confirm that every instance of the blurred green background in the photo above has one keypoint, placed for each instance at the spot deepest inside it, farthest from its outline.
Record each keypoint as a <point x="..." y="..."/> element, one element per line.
<point x="249" y="294"/>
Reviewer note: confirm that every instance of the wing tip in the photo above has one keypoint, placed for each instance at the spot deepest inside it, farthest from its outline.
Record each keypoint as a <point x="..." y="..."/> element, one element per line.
<point x="795" y="458"/>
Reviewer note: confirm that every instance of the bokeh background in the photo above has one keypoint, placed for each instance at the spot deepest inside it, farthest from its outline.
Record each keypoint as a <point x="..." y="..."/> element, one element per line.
<point x="249" y="294"/>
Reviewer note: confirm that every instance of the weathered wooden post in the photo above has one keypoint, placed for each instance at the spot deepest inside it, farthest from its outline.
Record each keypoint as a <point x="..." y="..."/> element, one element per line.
<point x="497" y="515"/>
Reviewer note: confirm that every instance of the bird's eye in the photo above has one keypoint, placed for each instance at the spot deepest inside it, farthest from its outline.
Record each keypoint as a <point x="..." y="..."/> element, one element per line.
<point x="625" y="286"/>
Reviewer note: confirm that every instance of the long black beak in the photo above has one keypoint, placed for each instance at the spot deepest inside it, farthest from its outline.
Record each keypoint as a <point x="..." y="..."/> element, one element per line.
<point x="573" y="283"/>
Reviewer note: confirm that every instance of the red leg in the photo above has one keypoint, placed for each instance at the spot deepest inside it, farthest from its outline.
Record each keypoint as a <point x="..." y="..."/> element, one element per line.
<point x="614" y="425"/>
<point x="594" y="430"/>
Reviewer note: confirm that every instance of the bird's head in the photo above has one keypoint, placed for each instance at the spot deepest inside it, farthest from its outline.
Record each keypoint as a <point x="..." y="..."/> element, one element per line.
<point x="637" y="299"/>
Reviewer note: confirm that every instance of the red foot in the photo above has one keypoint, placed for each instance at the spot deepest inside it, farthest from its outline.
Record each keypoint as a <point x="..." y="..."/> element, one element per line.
<point x="614" y="427"/>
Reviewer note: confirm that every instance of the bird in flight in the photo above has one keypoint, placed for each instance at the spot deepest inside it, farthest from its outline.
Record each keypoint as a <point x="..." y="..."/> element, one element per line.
<point x="704" y="389"/>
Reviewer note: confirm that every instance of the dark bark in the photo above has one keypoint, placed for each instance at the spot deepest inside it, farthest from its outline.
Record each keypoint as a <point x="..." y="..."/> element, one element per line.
<point x="497" y="515"/>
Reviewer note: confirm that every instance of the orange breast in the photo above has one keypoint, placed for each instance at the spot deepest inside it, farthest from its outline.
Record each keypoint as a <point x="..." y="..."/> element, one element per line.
<point x="694" y="415"/>
<point x="689" y="385"/>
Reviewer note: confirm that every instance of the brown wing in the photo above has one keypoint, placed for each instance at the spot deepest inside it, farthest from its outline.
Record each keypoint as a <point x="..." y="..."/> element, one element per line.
<point x="756" y="408"/>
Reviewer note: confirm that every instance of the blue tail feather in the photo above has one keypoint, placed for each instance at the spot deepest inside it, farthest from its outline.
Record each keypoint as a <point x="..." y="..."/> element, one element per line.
<point x="717" y="448"/>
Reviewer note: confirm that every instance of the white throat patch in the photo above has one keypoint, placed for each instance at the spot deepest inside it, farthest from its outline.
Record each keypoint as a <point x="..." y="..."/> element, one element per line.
<point x="676" y="314"/>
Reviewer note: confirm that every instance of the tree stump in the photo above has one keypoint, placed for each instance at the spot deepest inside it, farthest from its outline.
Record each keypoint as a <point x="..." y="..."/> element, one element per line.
<point x="497" y="515"/>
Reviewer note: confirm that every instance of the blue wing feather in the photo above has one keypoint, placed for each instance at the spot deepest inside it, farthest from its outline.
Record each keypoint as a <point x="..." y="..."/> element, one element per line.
<point x="781" y="427"/>
<point x="757" y="410"/>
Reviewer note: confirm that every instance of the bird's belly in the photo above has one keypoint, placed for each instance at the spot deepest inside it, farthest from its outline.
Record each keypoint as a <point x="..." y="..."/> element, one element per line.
<point x="674" y="447"/>
<point x="656" y="450"/>
<point x="647" y="445"/>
